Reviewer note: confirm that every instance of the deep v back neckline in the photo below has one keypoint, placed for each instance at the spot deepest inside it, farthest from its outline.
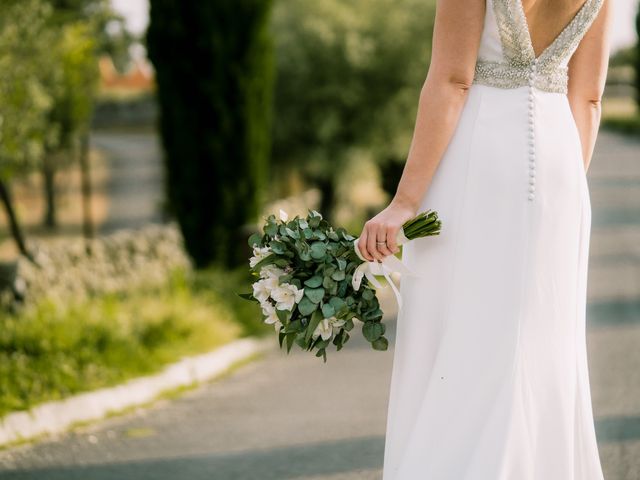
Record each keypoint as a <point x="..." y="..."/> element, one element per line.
<point x="525" y="22"/>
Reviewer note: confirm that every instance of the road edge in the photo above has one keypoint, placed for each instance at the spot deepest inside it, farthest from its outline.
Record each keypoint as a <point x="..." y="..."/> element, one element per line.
<point x="58" y="416"/>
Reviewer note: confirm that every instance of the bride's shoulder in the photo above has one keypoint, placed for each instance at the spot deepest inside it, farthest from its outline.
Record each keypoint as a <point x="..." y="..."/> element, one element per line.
<point x="456" y="38"/>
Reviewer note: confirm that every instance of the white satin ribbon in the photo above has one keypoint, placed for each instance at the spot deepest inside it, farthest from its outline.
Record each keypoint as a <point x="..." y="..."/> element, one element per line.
<point x="388" y="264"/>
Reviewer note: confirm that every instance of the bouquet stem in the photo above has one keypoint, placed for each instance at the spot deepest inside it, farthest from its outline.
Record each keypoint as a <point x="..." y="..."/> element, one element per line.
<point x="422" y="225"/>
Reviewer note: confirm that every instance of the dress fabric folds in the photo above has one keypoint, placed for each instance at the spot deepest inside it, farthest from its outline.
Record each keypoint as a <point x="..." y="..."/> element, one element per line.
<point x="490" y="376"/>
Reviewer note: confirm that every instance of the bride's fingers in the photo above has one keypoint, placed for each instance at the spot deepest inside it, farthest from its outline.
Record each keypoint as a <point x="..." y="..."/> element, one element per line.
<point x="372" y="238"/>
<point x="383" y="236"/>
<point x="392" y="232"/>
<point x="362" y="244"/>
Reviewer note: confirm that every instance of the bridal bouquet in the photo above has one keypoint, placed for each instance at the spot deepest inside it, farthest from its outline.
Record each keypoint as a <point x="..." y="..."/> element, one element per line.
<point x="313" y="282"/>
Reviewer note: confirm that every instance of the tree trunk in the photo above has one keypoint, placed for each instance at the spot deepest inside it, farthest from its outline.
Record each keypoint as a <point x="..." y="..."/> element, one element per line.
<point x="88" y="228"/>
<point x="328" y="197"/>
<point x="637" y="59"/>
<point x="14" y="224"/>
<point x="49" y="190"/>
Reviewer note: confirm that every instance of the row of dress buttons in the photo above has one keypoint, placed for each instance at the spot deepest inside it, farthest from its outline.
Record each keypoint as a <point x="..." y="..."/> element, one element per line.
<point x="531" y="131"/>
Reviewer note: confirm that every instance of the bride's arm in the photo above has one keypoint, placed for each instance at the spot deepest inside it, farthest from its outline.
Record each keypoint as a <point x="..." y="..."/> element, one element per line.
<point x="587" y="75"/>
<point x="456" y="38"/>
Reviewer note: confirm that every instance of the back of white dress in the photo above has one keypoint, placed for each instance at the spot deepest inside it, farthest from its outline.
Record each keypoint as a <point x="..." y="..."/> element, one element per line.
<point x="490" y="376"/>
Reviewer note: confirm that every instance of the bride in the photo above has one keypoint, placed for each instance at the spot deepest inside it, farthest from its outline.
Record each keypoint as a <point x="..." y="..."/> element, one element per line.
<point x="490" y="376"/>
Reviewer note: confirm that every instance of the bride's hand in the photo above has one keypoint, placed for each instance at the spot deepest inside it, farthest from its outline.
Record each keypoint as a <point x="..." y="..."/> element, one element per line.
<point x="384" y="226"/>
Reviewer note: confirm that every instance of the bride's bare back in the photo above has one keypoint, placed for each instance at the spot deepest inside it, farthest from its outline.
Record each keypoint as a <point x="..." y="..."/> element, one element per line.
<point x="547" y="18"/>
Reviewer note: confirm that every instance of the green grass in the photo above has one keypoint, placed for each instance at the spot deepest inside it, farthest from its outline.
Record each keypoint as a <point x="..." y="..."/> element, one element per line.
<point x="53" y="351"/>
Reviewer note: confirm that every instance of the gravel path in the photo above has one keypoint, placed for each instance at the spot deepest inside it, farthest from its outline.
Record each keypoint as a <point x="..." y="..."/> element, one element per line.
<point x="135" y="187"/>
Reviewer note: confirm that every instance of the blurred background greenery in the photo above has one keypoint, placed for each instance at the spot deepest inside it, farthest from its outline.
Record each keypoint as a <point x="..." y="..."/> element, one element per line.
<point x="216" y="115"/>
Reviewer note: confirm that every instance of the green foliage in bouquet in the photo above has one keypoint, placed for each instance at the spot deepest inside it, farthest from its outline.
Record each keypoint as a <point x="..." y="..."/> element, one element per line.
<point x="305" y="290"/>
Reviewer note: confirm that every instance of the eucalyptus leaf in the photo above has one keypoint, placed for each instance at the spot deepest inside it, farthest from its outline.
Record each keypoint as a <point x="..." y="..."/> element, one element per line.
<point x="328" y="282"/>
<point x="305" y="255"/>
<point x="314" y="294"/>
<point x="338" y="275"/>
<point x="292" y="233"/>
<point x="306" y="306"/>
<point x="314" y="222"/>
<point x="380" y="344"/>
<point x="337" y="302"/>
<point x="271" y="229"/>
<point x="255" y="239"/>
<point x="372" y="314"/>
<point x="277" y="246"/>
<point x="328" y="310"/>
<point x="318" y="250"/>
<point x="314" y="281"/>
<point x="372" y="330"/>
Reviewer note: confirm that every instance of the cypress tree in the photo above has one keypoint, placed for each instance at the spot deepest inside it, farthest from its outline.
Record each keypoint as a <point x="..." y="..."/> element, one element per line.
<point x="214" y="73"/>
<point x="637" y="58"/>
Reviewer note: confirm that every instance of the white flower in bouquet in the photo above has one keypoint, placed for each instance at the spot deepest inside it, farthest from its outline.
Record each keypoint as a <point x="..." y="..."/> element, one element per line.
<point x="286" y="295"/>
<point x="327" y="327"/>
<point x="269" y="312"/>
<point x="258" y="254"/>
<point x="263" y="288"/>
<point x="271" y="271"/>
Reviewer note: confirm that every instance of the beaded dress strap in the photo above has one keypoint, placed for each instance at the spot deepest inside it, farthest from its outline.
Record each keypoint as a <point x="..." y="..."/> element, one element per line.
<point x="519" y="56"/>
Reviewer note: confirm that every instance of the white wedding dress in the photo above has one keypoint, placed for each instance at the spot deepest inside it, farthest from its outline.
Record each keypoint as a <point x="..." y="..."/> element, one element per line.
<point x="490" y="378"/>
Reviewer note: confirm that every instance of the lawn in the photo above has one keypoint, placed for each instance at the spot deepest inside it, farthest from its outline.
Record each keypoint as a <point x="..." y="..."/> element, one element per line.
<point x="53" y="350"/>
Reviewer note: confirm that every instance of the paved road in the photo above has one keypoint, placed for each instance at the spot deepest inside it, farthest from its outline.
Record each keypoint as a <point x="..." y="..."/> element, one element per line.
<point x="297" y="418"/>
<point x="135" y="187"/>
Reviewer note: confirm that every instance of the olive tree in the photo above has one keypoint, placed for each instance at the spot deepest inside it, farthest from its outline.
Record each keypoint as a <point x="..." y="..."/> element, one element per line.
<point x="24" y="48"/>
<point x="348" y="75"/>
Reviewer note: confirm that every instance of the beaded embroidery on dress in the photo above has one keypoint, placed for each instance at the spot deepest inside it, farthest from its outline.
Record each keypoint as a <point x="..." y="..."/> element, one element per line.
<point x="490" y="375"/>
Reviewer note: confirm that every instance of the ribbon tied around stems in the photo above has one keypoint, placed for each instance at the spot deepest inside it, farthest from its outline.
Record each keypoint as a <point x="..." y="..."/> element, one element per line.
<point x="387" y="265"/>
